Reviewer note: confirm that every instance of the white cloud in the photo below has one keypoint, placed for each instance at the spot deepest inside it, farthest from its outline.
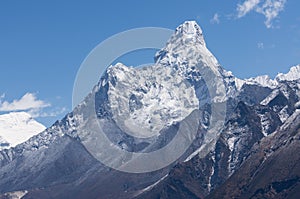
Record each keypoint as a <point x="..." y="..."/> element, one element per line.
<point x="215" y="19"/>
<point x="27" y="102"/>
<point x="246" y="7"/>
<point x="52" y="113"/>
<point x="269" y="8"/>
<point x="30" y="104"/>
<point x="260" y="45"/>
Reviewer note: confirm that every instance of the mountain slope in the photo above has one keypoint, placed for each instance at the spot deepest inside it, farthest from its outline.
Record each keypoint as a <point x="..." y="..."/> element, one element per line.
<point x="272" y="170"/>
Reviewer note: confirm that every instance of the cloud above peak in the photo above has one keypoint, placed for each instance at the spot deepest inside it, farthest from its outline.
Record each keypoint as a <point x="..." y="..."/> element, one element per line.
<point x="269" y="8"/>
<point x="27" y="102"/>
<point x="215" y="19"/>
<point x="30" y="104"/>
<point x="246" y="7"/>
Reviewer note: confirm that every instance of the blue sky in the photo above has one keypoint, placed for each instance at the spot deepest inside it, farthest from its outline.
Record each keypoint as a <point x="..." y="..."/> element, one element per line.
<point x="43" y="43"/>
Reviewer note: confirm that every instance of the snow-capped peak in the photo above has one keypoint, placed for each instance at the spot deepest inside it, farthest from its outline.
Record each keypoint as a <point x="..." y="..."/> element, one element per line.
<point x="17" y="127"/>
<point x="149" y="99"/>
<point x="186" y="49"/>
<point x="293" y="74"/>
<point x="190" y="31"/>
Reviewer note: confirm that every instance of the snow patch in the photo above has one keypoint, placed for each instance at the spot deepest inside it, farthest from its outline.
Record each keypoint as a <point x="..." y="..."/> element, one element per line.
<point x="265" y="124"/>
<point x="283" y="114"/>
<point x="239" y="83"/>
<point x="231" y="142"/>
<point x="16" y="194"/>
<point x="153" y="185"/>
<point x="212" y="171"/>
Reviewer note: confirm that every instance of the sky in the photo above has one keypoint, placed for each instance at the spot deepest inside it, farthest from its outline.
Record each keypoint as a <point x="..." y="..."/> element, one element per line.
<point x="43" y="43"/>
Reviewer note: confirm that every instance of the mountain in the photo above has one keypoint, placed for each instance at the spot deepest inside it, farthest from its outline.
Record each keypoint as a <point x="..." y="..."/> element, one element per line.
<point x="183" y="127"/>
<point x="17" y="127"/>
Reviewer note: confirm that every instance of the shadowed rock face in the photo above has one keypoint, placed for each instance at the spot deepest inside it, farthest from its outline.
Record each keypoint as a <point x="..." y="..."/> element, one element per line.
<point x="255" y="154"/>
<point x="271" y="171"/>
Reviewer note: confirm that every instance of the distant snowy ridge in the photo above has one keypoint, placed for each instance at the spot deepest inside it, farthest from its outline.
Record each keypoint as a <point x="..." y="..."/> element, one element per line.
<point x="266" y="81"/>
<point x="17" y="127"/>
<point x="293" y="74"/>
